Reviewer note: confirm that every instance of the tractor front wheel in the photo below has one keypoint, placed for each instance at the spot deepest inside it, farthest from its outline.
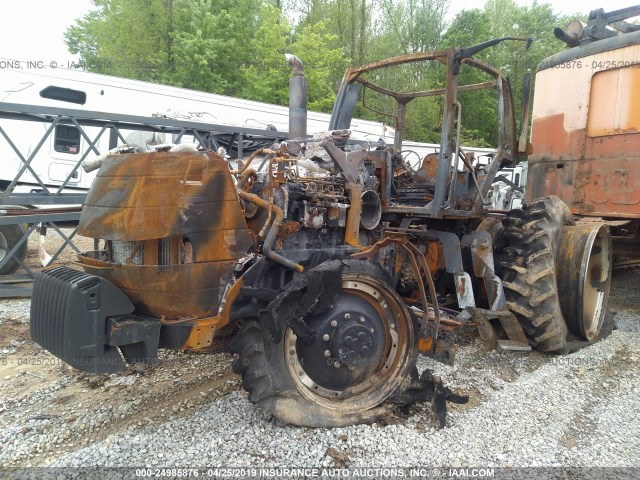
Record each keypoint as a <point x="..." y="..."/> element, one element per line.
<point x="364" y="349"/>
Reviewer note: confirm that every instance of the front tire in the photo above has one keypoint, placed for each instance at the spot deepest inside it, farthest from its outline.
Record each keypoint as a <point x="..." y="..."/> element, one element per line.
<point x="364" y="349"/>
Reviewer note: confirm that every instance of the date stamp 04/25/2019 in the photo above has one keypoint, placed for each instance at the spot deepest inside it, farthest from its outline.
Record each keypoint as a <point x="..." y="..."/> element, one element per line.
<point x="590" y="64"/>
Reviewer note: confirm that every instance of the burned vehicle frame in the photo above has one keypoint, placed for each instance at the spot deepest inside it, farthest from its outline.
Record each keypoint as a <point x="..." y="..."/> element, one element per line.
<point x="326" y="268"/>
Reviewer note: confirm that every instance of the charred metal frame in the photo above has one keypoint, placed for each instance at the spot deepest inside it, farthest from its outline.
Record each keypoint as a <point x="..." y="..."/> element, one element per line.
<point x="433" y="323"/>
<point x="10" y="201"/>
<point x="452" y="58"/>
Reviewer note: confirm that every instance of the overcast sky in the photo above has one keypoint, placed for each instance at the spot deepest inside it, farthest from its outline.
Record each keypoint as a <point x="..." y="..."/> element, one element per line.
<point x="33" y="29"/>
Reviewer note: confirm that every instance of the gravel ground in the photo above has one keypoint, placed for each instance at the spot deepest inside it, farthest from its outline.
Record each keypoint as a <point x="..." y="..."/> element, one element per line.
<point x="525" y="409"/>
<point x="580" y="410"/>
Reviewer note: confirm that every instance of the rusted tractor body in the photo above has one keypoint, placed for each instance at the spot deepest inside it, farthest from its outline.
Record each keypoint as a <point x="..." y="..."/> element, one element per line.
<point x="586" y="124"/>
<point x="329" y="264"/>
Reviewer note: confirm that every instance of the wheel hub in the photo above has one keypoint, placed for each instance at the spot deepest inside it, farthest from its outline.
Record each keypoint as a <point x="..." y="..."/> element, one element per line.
<point x="348" y="346"/>
<point x="355" y="344"/>
<point x="362" y="349"/>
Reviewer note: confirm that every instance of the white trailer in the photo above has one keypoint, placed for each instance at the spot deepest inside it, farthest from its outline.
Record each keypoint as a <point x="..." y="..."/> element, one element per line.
<point x="103" y="93"/>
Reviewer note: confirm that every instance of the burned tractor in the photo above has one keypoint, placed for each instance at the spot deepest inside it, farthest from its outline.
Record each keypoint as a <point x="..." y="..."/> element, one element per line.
<point x="327" y="264"/>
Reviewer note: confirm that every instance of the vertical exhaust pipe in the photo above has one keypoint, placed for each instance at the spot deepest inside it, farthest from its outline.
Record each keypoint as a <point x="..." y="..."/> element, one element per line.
<point x="297" y="99"/>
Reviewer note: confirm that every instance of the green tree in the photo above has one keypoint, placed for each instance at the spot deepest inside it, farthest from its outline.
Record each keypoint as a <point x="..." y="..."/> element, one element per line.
<point x="212" y="41"/>
<point x="324" y="66"/>
<point x="350" y="21"/>
<point x="198" y="44"/>
<point x="417" y="25"/>
<point x="108" y="39"/>
<point x="500" y="18"/>
<point x="266" y="79"/>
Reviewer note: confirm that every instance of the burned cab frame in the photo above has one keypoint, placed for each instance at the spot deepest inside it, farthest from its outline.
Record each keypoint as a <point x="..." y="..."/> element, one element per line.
<point x="351" y="92"/>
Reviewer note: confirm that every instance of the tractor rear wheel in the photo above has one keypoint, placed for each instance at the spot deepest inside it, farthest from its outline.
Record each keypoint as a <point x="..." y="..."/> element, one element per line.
<point x="584" y="263"/>
<point x="556" y="275"/>
<point x="529" y="270"/>
<point x="364" y="349"/>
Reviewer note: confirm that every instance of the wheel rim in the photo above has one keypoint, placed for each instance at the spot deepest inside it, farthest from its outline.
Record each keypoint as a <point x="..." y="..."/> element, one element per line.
<point x="583" y="267"/>
<point x="4" y="246"/>
<point x="363" y="349"/>
<point x="593" y="294"/>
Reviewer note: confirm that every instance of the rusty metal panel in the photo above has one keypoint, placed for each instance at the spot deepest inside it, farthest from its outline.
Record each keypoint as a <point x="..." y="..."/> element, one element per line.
<point x="574" y="102"/>
<point x="172" y="291"/>
<point x="161" y="194"/>
<point x="180" y="213"/>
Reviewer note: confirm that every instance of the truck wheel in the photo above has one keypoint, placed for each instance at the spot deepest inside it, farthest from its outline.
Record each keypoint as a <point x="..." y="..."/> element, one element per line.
<point x="365" y="347"/>
<point x="529" y="273"/>
<point x="9" y="236"/>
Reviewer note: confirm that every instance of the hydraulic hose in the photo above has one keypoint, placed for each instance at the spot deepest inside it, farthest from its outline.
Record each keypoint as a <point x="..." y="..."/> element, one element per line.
<point x="267" y="246"/>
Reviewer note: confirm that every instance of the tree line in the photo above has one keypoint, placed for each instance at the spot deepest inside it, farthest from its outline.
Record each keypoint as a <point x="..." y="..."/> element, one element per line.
<point x="236" y="48"/>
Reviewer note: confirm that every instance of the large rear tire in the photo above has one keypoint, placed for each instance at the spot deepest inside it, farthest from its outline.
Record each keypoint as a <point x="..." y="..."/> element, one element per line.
<point x="529" y="270"/>
<point x="364" y="349"/>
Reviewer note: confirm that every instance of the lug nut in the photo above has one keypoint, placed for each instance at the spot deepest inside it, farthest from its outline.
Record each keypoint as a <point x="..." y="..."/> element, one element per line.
<point x="334" y="323"/>
<point x="327" y="353"/>
<point x="326" y="337"/>
<point x="347" y="316"/>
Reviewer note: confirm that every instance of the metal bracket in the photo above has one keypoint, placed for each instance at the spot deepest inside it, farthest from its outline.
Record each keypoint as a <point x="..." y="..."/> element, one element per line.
<point x="483" y="266"/>
<point x="453" y="264"/>
<point x="349" y="162"/>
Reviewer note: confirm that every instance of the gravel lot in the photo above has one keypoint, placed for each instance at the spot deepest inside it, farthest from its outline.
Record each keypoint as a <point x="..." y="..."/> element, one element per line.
<point x="525" y="409"/>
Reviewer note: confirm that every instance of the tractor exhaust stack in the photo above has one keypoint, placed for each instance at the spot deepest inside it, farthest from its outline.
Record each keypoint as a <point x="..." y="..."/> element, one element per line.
<point x="297" y="99"/>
